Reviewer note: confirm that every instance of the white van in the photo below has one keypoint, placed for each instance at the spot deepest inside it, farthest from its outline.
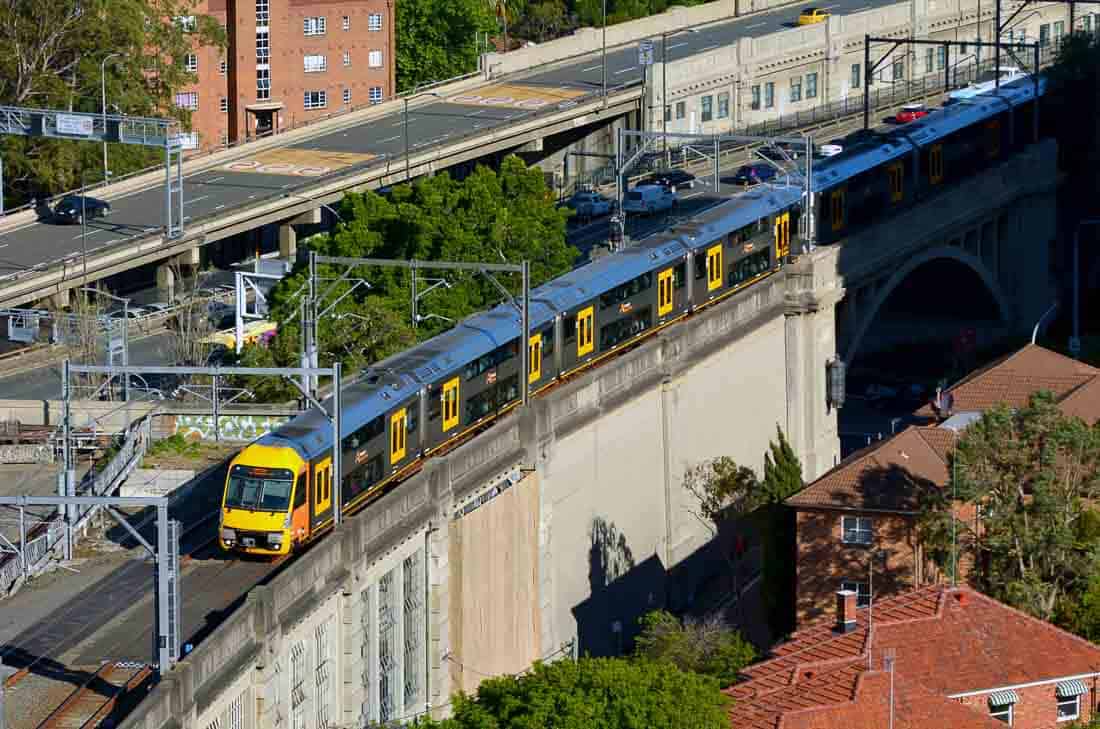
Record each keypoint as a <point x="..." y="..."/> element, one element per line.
<point x="649" y="199"/>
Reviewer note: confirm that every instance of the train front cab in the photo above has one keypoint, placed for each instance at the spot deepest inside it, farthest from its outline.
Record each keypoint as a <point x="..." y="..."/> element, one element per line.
<point x="265" y="509"/>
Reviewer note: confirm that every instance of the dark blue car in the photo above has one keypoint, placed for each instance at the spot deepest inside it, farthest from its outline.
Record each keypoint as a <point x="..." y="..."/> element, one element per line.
<point x="754" y="174"/>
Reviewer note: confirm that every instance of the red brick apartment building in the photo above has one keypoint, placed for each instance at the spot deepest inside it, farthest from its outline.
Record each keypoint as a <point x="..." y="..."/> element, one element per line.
<point x="288" y="61"/>
<point x="873" y="496"/>
<point x="931" y="658"/>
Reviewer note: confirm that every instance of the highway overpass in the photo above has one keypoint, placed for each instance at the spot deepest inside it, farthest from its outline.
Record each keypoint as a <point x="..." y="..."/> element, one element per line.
<point x="523" y="98"/>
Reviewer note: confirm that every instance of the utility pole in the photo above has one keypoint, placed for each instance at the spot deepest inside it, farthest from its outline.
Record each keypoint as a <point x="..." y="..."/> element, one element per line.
<point x="604" y="52"/>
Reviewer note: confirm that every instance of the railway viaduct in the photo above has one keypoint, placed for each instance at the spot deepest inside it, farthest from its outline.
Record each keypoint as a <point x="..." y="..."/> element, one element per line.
<point x="553" y="530"/>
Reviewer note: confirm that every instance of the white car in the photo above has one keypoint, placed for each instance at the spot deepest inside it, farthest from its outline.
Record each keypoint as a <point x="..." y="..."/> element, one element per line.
<point x="830" y="150"/>
<point x="647" y="199"/>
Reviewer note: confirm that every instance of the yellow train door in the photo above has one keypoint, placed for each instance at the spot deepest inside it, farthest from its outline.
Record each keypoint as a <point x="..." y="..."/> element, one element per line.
<point x="322" y="487"/>
<point x="782" y="235"/>
<point x="664" y="292"/>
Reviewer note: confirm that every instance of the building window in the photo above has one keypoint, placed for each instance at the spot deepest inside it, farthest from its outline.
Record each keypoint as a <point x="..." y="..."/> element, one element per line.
<point x="263" y="14"/>
<point x="707" y="108"/>
<point x="375" y="94"/>
<point x="374" y="22"/>
<point x="314" y="26"/>
<point x="941" y="58"/>
<point x="224" y="139"/>
<point x="668" y="113"/>
<point x="1001" y="712"/>
<point x="374" y="59"/>
<point x="221" y="67"/>
<point x="796" y="89"/>
<point x="346" y="22"/>
<point x="1069" y="707"/>
<point x="811" y="86"/>
<point x="723" y="105"/>
<point x="769" y="95"/>
<point x="862" y="591"/>
<point x="755" y="97"/>
<point x="347" y="58"/>
<point x="1044" y="35"/>
<point x="314" y="64"/>
<point x="223" y="105"/>
<point x="263" y="84"/>
<point x="188" y="100"/>
<point x="347" y="96"/>
<point x="191" y="63"/>
<point x="316" y="99"/>
<point x="857" y="81"/>
<point x="681" y="109"/>
<point x="856" y="530"/>
<point x="929" y="59"/>
<point x="899" y="70"/>
<point x="186" y="23"/>
<point x="263" y="48"/>
<point x="1059" y="30"/>
<point x="963" y="48"/>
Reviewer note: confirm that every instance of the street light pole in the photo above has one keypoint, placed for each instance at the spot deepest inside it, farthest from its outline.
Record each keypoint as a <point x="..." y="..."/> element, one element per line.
<point x="83" y="228"/>
<point x="604" y="53"/>
<point x="103" y="93"/>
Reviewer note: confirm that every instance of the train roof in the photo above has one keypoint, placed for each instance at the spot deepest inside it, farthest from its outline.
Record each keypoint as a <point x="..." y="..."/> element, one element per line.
<point x="870" y="153"/>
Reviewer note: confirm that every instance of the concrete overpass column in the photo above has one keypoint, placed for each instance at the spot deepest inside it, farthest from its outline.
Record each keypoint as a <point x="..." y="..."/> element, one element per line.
<point x="59" y="300"/>
<point x="288" y="241"/>
<point x="166" y="281"/>
<point x="813" y="290"/>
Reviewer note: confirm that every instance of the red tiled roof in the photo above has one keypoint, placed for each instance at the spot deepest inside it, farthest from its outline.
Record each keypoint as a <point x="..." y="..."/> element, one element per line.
<point x="944" y="641"/>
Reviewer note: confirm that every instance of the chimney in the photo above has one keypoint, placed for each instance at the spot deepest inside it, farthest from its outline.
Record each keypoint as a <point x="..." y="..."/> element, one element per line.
<point x="845" y="611"/>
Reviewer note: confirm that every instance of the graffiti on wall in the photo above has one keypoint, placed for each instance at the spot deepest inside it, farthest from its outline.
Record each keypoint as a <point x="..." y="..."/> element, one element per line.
<point x="232" y="427"/>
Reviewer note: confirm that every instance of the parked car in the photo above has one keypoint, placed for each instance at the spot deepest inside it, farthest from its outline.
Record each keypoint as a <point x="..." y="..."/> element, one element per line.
<point x="830" y="150"/>
<point x="809" y="16"/>
<point x="74" y="209"/>
<point x="911" y="112"/>
<point x="134" y="312"/>
<point x="672" y="179"/>
<point x="781" y="151"/>
<point x="589" y="204"/>
<point x="648" y="199"/>
<point x="157" y="308"/>
<point x="858" y="136"/>
<point x="754" y="174"/>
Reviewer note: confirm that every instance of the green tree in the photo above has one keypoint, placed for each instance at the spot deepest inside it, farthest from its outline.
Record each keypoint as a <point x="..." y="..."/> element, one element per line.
<point x="721" y="489"/>
<point x="592" y="693"/>
<point x="709" y="646"/>
<point x="435" y="39"/>
<point x="50" y="54"/>
<point x="782" y="470"/>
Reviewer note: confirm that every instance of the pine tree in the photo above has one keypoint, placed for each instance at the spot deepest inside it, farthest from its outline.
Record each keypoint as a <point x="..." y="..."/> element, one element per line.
<point x="782" y="470"/>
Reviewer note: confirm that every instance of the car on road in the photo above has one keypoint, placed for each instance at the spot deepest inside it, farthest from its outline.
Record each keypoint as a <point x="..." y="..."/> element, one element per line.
<point x="589" y="204"/>
<point x="911" y="112"/>
<point x="157" y="308"/>
<point x="754" y="174"/>
<point x="134" y="312"/>
<point x="75" y="209"/>
<point x="781" y="151"/>
<point x="648" y="199"/>
<point x="830" y="150"/>
<point x="672" y="179"/>
<point x="809" y="16"/>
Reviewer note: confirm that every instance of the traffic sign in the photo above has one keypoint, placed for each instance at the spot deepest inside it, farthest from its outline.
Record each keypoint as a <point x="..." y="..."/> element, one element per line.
<point x="645" y="53"/>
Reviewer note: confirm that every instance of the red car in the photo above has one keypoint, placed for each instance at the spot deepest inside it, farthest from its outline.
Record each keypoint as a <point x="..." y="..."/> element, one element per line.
<point x="911" y="112"/>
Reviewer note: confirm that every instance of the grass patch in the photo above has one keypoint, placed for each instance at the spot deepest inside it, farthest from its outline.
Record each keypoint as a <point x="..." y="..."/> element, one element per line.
<point x="176" y="445"/>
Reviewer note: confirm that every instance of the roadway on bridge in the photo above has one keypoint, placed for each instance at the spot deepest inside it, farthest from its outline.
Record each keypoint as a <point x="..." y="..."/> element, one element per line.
<point x="251" y="179"/>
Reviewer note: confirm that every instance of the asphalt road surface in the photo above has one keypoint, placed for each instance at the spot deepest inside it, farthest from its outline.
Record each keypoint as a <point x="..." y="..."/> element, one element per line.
<point x="277" y="172"/>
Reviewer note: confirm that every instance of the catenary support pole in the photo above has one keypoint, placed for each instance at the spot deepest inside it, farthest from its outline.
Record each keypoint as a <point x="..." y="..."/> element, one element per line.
<point x="866" y="81"/>
<point x="525" y="339"/>
<point x="163" y="649"/>
<point x="337" y="447"/>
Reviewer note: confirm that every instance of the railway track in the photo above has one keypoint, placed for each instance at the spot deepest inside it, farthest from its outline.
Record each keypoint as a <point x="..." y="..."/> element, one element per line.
<point x="90" y="704"/>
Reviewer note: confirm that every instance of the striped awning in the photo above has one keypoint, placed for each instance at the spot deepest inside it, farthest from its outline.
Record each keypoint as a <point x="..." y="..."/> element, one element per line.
<point x="1000" y="698"/>
<point x="1074" y="687"/>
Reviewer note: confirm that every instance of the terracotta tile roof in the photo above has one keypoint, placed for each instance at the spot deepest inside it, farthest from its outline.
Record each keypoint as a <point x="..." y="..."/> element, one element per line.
<point x="820" y="679"/>
<point x="1013" y="378"/>
<point x="1083" y="402"/>
<point x="888" y="475"/>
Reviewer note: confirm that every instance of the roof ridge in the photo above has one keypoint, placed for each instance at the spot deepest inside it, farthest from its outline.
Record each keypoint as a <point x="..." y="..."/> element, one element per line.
<point x="1078" y="387"/>
<point x="853" y="458"/>
<point x="951" y="434"/>
<point x="1021" y="613"/>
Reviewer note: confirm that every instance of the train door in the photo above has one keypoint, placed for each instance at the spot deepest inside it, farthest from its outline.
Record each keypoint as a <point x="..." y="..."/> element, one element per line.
<point x="896" y="174"/>
<point x="322" y="489"/>
<point x="782" y="236"/>
<point x="664" y="293"/>
<point x="714" y="268"/>
<point x="935" y="164"/>
<point x="299" y="515"/>
<point x="398" y="435"/>
<point x="534" y="358"/>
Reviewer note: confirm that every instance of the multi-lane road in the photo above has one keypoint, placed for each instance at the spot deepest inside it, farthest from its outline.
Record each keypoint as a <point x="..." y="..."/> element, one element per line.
<point x="252" y="178"/>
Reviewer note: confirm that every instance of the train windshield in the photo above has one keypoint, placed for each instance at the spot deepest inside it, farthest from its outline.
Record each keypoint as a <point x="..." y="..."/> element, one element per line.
<point x="259" y="489"/>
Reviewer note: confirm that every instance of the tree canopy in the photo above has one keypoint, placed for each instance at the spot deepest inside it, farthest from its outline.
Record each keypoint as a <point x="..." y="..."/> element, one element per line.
<point x="592" y="693"/>
<point x="435" y="39"/>
<point x="50" y="56"/>
<point x="706" y="646"/>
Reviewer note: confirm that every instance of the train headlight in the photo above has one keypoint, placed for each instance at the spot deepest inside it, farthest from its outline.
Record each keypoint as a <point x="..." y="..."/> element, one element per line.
<point x="275" y="538"/>
<point x="229" y="535"/>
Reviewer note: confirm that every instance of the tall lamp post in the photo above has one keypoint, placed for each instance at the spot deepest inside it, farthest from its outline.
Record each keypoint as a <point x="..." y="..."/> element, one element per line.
<point x="407" y="99"/>
<point x="103" y="93"/>
<point x="1075" y="340"/>
<point x="604" y="52"/>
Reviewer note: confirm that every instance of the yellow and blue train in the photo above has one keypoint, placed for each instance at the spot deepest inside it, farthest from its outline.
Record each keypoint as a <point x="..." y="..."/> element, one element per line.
<point x="279" y="490"/>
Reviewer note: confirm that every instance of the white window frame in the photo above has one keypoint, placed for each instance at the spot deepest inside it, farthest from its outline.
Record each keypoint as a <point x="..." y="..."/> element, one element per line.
<point x="861" y="589"/>
<point x="315" y="99"/>
<point x="345" y="22"/>
<point x="314" y="25"/>
<point x="263" y="47"/>
<point x="347" y="58"/>
<point x="186" y="23"/>
<point x="375" y="59"/>
<point x="223" y="105"/>
<point x="191" y="62"/>
<point x="1076" y="707"/>
<point x="374" y="22"/>
<point x="263" y="13"/>
<point x="347" y="95"/>
<point x="374" y="94"/>
<point x="189" y="99"/>
<point x="263" y="90"/>
<point x="859" y="525"/>
<point x="998" y="713"/>
<point x="222" y="67"/>
<point x="314" y="63"/>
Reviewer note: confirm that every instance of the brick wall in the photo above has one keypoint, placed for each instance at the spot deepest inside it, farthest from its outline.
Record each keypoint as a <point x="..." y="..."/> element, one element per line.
<point x="824" y="560"/>
<point x="1038" y="708"/>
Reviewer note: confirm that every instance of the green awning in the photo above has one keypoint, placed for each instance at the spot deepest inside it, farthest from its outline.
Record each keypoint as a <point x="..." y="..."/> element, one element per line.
<point x="1075" y="687"/>
<point x="1000" y="698"/>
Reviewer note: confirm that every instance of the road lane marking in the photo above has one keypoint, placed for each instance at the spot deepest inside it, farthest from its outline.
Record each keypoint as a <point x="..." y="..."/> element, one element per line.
<point x="195" y="199"/>
<point x="755" y="25"/>
<point x="677" y="45"/>
<point x="708" y="48"/>
<point x="625" y="70"/>
<point x="597" y="68"/>
<point x="88" y="234"/>
<point x="219" y="207"/>
<point x="4" y="245"/>
<point x="520" y="96"/>
<point x="216" y="179"/>
<point x="388" y="139"/>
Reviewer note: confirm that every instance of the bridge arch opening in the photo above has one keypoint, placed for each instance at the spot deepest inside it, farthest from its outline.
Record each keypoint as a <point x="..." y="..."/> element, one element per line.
<point x="941" y="297"/>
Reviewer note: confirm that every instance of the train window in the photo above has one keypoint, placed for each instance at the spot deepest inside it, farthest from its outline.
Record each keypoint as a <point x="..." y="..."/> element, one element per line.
<point x="679" y="275"/>
<point x="714" y="267"/>
<point x="361" y="437"/>
<point x="397" y="435"/>
<point x="627" y="290"/>
<point x="435" y="403"/>
<point x="782" y="235"/>
<point x="935" y="164"/>
<point x="626" y="328"/>
<point x="664" y="292"/>
<point x="534" y="358"/>
<point x="584" y="331"/>
<point x="450" y="404"/>
<point x="993" y="139"/>
<point x="700" y="265"/>
<point x="492" y="398"/>
<point x="569" y="329"/>
<point x="836" y="207"/>
<point x="548" y="341"/>
<point x="897" y="177"/>
<point x="749" y="268"/>
<point x="498" y="356"/>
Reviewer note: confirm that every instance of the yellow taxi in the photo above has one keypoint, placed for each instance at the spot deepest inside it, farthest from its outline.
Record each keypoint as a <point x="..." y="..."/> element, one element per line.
<point x="809" y="16"/>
